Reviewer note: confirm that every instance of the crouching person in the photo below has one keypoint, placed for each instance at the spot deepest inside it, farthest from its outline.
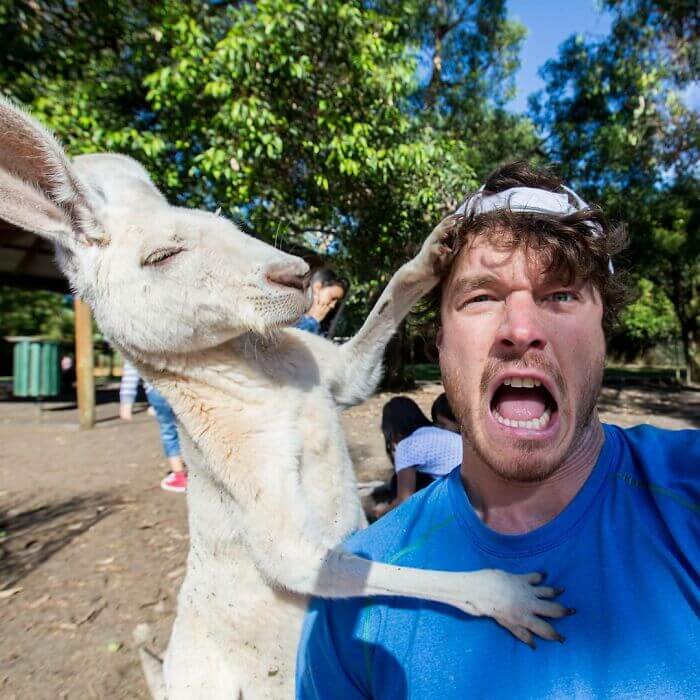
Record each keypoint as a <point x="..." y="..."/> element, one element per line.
<point x="419" y="450"/>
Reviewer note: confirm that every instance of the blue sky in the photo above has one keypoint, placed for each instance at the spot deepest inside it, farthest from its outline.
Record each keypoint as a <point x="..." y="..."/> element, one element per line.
<point x="549" y="23"/>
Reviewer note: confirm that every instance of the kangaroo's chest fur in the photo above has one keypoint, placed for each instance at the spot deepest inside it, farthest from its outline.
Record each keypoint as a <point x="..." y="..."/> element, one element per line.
<point x="261" y="417"/>
<point x="254" y="418"/>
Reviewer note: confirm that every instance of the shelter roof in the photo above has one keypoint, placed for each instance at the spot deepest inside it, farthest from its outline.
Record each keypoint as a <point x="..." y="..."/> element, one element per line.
<point x="27" y="261"/>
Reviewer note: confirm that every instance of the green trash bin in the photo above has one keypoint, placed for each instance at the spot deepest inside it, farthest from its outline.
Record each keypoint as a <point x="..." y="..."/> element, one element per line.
<point x="36" y="367"/>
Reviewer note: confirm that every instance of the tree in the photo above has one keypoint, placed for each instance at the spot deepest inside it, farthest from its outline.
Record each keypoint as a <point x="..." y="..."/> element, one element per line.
<point x="80" y="67"/>
<point x="650" y="320"/>
<point x="306" y="119"/>
<point x="614" y="121"/>
<point x="675" y="27"/>
<point x="35" y="313"/>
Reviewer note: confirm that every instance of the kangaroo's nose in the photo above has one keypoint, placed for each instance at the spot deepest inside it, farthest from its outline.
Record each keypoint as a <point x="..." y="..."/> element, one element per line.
<point x="294" y="275"/>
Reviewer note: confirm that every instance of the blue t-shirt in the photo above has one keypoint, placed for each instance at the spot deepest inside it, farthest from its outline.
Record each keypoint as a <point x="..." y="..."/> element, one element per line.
<point x="627" y="550"/>
<point x="309" y="324"/>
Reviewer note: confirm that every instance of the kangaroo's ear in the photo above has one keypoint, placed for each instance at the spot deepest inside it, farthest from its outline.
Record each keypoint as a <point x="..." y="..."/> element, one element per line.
<point x="39" y="190"/>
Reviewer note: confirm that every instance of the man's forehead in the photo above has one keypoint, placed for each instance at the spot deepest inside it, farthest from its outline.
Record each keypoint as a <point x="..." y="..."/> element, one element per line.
<point x="481" y="256"/>
<point x="482" y="261"/>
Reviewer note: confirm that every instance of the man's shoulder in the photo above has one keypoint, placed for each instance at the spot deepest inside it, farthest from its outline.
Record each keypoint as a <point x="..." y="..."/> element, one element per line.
<point x="659" y="447"/>
<point x="419" y="517"/>
<point x="656" y="458"/>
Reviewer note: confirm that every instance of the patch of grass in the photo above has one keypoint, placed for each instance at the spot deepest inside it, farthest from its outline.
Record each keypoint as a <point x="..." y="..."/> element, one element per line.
<point x="618" y="372"/>
<point x="425" y="372"/>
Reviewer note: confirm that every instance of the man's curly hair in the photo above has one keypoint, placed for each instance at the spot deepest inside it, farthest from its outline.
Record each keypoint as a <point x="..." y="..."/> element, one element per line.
<point x="569" y="247"/>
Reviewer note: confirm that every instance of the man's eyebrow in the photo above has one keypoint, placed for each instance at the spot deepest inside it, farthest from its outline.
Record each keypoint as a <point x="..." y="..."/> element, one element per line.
<point x="560" y="279"/>
<point x="464" y="285"/>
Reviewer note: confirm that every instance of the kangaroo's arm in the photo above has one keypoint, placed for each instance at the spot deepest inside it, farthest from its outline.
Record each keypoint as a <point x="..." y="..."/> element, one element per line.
<point x="261" y="473"/>
<point x="282" y="537"/>
<point x="356" y="367"/>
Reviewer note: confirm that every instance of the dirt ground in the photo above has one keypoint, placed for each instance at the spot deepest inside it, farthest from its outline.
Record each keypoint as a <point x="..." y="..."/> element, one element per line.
<point x="90" y="546"/>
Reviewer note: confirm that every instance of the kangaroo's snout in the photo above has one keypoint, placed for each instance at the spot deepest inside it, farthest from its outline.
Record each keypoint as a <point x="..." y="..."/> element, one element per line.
<point x="294" y="275"/>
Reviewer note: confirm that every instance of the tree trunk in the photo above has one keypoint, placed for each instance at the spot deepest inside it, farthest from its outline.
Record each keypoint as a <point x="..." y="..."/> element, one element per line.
<point x="395" y="375"/>
<point x="686" y="305"/>
<point x="691" y="352"/>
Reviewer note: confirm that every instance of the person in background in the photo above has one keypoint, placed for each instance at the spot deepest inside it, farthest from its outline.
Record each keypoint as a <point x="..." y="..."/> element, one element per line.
<point x="176" y="480"/>
<point x="420" y="451"/>
<point x="67" y="374"/>
<point x="442" y="416"/>
<point x="328" y="291"/>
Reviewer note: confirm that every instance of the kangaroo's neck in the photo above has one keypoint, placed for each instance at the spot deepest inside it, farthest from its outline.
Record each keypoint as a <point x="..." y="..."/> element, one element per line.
<point x="235" y="366"/>
<point x="229" y="398"/>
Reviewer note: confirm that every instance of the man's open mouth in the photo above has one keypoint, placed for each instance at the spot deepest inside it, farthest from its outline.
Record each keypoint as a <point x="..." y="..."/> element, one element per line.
<point x="523" y="402"/>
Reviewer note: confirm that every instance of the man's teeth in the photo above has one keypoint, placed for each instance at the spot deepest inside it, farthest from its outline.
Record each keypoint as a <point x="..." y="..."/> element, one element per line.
<point x="522" y="382"/>
<point x="534" y="424"/>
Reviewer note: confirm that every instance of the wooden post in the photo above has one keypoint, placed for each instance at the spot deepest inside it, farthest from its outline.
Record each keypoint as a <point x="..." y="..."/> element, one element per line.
<point x="84" y="364"/>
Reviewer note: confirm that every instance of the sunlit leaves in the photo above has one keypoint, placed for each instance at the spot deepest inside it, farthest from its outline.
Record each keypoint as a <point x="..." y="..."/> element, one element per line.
<point x="616" y="125"/>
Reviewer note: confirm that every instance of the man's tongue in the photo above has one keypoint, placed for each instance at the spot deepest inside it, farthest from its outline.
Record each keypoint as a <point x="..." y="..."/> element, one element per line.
<point x="521" y="404"/>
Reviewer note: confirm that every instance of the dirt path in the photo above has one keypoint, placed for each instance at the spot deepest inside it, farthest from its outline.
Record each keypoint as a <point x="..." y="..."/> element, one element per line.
<point x="89" y="545"/>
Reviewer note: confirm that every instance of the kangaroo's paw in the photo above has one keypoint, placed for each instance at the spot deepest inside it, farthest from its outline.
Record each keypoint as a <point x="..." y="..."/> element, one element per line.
<point x="517" y="603"/>
<point x="436" y="254"/>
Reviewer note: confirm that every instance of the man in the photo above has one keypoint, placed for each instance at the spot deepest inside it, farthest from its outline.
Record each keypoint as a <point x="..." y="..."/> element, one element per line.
<point x="611" y="515"/>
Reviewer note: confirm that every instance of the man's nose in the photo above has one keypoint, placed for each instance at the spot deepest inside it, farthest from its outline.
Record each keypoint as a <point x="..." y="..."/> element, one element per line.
<point x="521" y="328"/>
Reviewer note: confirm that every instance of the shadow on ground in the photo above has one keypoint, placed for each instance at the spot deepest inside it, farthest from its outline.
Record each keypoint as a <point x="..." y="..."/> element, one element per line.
<point x="31" y="535"/>
<point x="670" y="400"/>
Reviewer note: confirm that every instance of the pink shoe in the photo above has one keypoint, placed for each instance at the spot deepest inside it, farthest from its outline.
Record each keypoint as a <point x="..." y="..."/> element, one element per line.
<point x="175" y="481"/>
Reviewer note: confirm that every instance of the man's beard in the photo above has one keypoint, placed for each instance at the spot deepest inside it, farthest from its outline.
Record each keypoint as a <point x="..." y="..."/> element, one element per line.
<point x="526" y="466"/>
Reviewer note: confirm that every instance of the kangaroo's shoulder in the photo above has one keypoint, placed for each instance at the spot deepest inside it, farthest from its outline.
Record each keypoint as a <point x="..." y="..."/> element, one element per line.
<point x="301" y="359"/>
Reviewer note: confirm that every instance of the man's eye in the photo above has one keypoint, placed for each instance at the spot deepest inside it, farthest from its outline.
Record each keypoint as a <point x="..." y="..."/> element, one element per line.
<point x="157" y="257"/>
<point x="475" y="300"/>
<point x="562" y="296"/>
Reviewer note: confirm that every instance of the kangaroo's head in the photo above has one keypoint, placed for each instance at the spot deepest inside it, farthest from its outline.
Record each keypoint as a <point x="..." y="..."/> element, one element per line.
<point x="160" y="279"/>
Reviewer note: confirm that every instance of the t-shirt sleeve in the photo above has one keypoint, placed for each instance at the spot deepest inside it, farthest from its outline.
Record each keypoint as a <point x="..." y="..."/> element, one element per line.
<point x="409" y="453"/>
<point x="323" y="661"/>
<point x="309" y="324"/>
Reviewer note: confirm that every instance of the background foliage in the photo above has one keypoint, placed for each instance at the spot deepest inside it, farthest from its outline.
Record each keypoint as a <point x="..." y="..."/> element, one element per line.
<point x="35" y="313"/>
<point x="613" y="119"/>
<point x="354" y="125"/>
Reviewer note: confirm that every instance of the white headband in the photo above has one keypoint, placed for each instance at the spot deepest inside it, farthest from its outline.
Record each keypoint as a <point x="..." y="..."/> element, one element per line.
<point x="529" y="200"/>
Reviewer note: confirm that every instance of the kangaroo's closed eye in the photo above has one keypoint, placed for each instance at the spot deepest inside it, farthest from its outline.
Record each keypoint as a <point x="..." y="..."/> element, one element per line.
<point x="158" y="257"/>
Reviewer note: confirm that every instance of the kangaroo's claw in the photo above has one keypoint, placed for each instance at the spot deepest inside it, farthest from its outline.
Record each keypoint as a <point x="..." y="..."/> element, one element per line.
<point x="516" y="603"/>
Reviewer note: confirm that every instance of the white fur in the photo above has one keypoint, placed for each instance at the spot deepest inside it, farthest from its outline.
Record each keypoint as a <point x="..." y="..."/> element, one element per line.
<point x="272" y="490"/>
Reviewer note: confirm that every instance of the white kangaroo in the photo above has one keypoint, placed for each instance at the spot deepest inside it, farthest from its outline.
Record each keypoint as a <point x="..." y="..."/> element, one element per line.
<point x="203" y="311"/>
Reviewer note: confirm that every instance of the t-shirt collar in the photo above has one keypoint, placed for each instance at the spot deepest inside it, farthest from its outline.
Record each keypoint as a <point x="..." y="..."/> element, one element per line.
<point x="552" y="533"/>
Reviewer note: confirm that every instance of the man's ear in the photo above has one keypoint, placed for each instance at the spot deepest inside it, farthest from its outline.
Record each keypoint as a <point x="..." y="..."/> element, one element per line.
<point x="438" y="339"/>
<point x="39" y="191"/>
